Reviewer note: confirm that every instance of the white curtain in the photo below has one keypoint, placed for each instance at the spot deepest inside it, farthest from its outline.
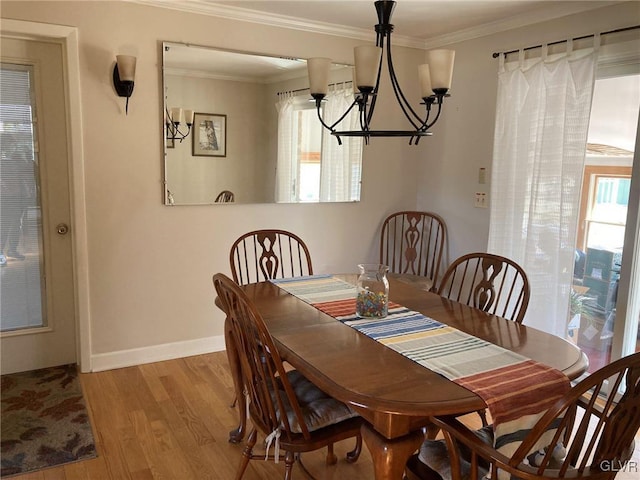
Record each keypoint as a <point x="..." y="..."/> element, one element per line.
<point x="286" y="164"/>
<point x="341" y="164"/>
<point x="540" y="140"/>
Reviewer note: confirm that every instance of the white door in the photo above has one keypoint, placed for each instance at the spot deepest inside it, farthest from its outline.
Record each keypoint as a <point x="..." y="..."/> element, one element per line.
<point x="37" y="314"/>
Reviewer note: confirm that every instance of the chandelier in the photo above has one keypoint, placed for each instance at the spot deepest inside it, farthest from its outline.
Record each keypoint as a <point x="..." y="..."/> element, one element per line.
<point x="173" y="120"/>
<point x="434" y="77"/>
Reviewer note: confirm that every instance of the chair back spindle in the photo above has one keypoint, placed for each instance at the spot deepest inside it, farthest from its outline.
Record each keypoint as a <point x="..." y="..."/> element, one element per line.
<point x="594" y="423"/>
<point x="266" y="382"/>
<point x="225" y="196"/>
<point x="412" y="243"/>
<point x="492" y="283"/>
<point x="282" y="403"/>
<point x="267" y="254"/>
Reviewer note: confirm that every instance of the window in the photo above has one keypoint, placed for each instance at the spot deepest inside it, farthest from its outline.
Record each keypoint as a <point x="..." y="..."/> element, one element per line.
<point x="312" y="166"/>
<point x="20" y="230"/>
<point x="604" y="205"/>
<point x="308" y="139"/>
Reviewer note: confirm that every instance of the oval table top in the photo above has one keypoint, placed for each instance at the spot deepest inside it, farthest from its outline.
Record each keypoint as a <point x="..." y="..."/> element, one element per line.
<point x="395" y="394"/>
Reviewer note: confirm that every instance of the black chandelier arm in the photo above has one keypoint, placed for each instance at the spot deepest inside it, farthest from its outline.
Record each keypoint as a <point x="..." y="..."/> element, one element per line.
<point x="333" y="127"/>
<point x="428" y="103"/>
<point x="185" y="135"/>
<point x="174" y="132"/>
<point x="330" y="128"/>
<point x="173" y="129"/>
<point x="321" y="119"/>
<point x="380" y="36"/>
<point x="426" y="126"/>
<point x="402" y="100"/>
<point x="364" y="126"/>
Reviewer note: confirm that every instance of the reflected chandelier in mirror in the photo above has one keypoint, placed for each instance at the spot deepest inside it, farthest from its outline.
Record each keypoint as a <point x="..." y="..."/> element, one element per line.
<point x="264" y="142"/>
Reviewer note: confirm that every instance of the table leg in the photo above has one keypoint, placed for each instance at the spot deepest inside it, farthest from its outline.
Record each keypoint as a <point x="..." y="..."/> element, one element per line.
<point x="390" y="456"/>
<point x="236" y="436"/>
<point x="432" y="431"/>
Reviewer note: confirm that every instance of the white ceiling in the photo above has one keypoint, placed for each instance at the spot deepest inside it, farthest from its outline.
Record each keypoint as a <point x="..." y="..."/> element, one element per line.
<point x="420" y="23"/>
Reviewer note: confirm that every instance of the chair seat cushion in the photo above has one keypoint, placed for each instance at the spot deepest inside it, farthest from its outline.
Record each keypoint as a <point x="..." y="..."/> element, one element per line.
<point x="318" y="409"/>
<point x="417" y="281"/>
<point x="434" y="454"/>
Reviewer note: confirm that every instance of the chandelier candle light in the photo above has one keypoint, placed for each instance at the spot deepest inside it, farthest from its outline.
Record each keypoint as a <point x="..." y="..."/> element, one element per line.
<point x="173" y="119"/>
<point x="434" y="76"/>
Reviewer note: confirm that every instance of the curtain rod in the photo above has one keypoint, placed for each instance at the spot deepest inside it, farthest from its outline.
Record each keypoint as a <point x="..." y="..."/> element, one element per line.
<point x="307" y="88"/>
<point x="617" y="30"/>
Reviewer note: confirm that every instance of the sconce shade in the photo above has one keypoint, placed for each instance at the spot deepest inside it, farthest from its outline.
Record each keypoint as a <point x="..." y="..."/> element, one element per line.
<point x="124" y="73"/>
<point x="441" y="68"/>
<point x="424" y="76"/>
<point x="126" y="67"/>
<point x="367" y="58"/>
<point x="188" y="117"/>
<point x="176" y="115"/>
<point x="318" y="75"/>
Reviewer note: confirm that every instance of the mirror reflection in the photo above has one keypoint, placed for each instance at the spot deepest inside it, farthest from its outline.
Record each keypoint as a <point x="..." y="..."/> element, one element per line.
<point x="242" y="128"/>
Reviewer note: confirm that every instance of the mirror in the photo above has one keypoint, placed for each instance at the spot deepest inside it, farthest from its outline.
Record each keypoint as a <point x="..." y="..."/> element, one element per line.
<point x="256" y="137"/>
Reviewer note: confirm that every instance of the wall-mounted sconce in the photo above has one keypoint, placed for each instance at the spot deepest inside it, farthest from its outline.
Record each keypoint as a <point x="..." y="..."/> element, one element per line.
<point x="124" y="73"/>
<point x="173" y="118"/>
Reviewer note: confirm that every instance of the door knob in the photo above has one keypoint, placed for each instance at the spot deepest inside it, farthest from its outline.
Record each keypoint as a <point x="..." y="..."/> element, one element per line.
<point x="62" y="229"/>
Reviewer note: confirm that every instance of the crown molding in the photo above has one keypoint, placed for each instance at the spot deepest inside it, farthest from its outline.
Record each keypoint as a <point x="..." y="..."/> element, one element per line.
<point x="230" y="12"/>
<point x="204" y="7"/>
<point x="553" y="11"/>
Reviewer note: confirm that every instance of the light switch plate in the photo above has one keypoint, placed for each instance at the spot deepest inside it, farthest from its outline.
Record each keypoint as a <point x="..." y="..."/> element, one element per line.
<point x="482" y="200"/>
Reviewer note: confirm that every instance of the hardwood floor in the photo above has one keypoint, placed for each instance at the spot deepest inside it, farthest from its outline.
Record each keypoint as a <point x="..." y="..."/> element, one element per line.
<point x="170" y="421"/>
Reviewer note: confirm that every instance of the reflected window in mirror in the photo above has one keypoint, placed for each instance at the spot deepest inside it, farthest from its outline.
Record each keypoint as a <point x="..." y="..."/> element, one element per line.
<point x="312" y="166"/>
<point x="259" y="166"/>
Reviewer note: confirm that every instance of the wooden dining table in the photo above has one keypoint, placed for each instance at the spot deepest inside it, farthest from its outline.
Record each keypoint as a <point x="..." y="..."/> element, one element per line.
<point x="395" y="395"/>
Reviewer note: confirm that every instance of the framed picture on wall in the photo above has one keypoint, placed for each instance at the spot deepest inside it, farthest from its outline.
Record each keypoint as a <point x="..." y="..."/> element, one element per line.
<point x="171" y="143"/>
<point x="209" y="135"/>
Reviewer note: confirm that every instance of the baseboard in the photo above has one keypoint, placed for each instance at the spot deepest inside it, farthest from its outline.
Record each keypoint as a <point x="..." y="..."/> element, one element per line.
<point x="156" y="353"/>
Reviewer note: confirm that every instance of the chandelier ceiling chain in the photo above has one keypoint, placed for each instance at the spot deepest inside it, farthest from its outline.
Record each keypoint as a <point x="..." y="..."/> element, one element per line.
<point x="434" y="76"/>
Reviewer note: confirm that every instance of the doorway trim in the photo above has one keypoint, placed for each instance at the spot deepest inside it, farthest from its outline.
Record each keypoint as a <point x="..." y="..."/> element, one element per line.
<point x="68" y="37"/>
<point x="625" y="333"/>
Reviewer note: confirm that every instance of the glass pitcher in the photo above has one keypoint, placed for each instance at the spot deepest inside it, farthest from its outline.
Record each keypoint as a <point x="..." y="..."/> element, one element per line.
<point x="372" y="300"/>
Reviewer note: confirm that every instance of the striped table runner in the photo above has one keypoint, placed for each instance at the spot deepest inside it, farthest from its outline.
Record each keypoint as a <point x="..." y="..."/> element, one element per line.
<point x="517" y="390"/>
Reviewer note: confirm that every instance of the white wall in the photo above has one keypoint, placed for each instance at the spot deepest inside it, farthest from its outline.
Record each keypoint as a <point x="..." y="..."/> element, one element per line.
<point x="150" y="266"/>
<point x="463" y="138"/>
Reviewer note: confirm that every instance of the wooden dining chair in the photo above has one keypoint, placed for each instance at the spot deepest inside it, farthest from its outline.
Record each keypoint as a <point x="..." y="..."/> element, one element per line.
<point x="492" y="283"/>
<point x="267" y="254"/>
<point x="225" y="196"/>
<point x="292" y="413"/>
<point x="254" y="257"/>
<point x="595" y="430"/>
<point x="411" y="245"/>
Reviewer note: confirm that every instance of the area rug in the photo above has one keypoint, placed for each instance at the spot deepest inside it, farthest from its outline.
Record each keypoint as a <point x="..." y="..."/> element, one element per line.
<point x="44" y="420"/>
